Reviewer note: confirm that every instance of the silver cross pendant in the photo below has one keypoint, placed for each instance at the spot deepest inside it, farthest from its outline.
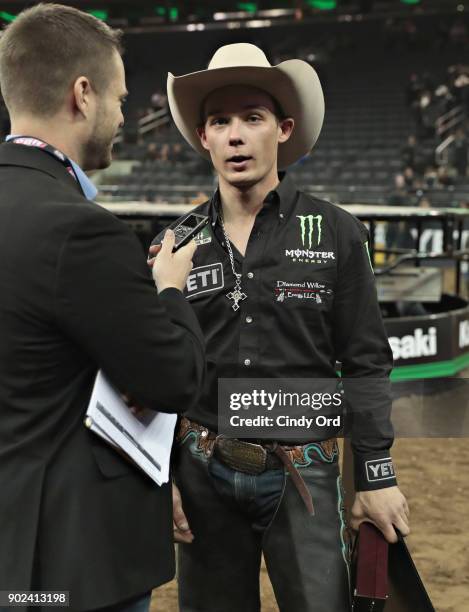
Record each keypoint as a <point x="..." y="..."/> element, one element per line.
<point x="236" y="295"/>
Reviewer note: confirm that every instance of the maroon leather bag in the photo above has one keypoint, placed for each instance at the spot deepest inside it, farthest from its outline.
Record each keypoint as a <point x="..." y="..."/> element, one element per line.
<point x="381" y="571"/>
<point x="369" y="570"/>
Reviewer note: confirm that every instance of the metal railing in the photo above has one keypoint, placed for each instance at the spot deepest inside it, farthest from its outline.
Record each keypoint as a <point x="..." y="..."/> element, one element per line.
<point x="444" y="124"/>
<point x="148" y="123"/>
<point x="153" y="121"/>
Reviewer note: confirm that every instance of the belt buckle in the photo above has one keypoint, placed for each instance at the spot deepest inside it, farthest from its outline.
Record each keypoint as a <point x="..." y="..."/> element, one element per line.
<point x="242" y="456"/>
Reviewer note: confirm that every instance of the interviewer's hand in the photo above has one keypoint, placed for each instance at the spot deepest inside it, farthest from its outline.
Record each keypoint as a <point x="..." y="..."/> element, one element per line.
<point x="171" y="269"/>
<point x="386" y="508"/>
<point x="181" y="529"/>
<point x="135" y="409"/>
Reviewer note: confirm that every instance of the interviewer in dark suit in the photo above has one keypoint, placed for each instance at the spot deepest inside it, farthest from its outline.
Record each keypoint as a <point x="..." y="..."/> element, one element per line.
<point x="75" y="296"/>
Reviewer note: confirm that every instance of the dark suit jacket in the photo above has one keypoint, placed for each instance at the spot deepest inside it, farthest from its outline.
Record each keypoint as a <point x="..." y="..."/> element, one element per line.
<point x="75" y="296"/>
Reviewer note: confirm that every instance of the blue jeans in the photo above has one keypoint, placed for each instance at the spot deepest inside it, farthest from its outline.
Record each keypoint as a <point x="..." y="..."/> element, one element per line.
<point x="236" y="518"/>
<point x="254" y="496"/>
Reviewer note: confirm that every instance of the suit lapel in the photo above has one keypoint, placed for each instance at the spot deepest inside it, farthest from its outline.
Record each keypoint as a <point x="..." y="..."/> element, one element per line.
<point x="32" y="157"/>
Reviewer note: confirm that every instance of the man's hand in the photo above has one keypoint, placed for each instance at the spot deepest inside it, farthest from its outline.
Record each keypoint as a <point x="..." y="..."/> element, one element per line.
<point x="386" y="508"/>
<point x="135" y="409"/>
<point x="171" y="269"/>
<point x="182" y="531"/>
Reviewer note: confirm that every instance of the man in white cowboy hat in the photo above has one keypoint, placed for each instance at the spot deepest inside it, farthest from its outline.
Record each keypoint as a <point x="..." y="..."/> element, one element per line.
<point x="283" y="287"/>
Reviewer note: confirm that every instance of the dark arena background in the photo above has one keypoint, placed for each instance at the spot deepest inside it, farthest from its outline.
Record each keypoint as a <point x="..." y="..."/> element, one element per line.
<point x="393" y="150"/>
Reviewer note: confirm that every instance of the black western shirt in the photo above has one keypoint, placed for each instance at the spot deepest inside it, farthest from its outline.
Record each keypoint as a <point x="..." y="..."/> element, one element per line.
<point x="297" y="241"/>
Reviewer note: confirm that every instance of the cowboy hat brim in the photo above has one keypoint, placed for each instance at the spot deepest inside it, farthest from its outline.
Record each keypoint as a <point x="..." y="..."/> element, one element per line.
<point x="293" y="83"/>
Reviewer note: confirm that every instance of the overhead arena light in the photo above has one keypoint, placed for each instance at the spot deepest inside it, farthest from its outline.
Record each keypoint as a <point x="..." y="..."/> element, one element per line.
<point x="276" y="13"/>
<point x="7" y="16"/>
<point x="245" y="14"/>
<point x="172" y="12"/>
<point x="195" y="27"/>
<point x="258" y="23"/>
<point x="226" y="16"/>
<point x="99" y="14"/>
<point x="323" y="5"/>
<point x="247" y="7"/>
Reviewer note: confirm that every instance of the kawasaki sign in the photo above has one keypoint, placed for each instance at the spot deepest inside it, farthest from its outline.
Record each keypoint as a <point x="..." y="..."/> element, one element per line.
<point x="463" y="333"/>
<point x="431" y="345"/>
<point x="422" y="343"/>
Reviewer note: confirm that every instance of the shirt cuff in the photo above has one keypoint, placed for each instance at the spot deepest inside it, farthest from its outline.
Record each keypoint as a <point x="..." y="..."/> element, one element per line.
<point x="374" y="471"/>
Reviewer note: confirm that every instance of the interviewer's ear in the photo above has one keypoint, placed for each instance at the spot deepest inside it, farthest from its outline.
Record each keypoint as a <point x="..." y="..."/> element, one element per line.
<point x="82" y="92"/>
<point x="286" y="127"/>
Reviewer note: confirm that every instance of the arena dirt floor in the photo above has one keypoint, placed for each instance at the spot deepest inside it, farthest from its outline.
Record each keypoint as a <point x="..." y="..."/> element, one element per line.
<point x="433" y="474"/>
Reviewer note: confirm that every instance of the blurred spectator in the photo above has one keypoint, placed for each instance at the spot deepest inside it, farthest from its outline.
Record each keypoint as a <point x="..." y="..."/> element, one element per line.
<point x="151" y="153"/>
<point x="159" y="101"/>
<point x="409" y="178"/>
<point x="429" y="113"/>
<point x="398" y="197"/>
<point x="409" y="153"/>
<point x="458" y="153"/>
<point x="414" y="156"/>
<point x="446" y="176"/>
<point x="165" y="153"/>
<point x="458" y="83"/>
<point x="429" y="101"/>
<point x="424" y="202"/>
<point x="444" y="98"/>
<point x="430" y="177"/>
<point x="178" y="153"/>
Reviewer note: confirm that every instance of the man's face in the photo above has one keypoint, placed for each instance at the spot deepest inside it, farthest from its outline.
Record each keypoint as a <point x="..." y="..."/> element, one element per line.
<point x="108" y="118"/>
<point x="242" y="134"/>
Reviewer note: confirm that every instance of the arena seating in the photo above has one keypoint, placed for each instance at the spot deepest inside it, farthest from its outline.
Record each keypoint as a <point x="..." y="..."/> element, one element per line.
<point x="365" y="73"/>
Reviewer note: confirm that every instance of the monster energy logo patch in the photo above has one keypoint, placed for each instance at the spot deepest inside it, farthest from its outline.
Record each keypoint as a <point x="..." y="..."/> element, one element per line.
<point x="307" y="229"/>
<point x="311" y="235"/>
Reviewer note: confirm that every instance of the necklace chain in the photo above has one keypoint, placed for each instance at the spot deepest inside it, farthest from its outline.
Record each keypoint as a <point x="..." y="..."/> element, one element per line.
<point x="237" y="294"/>
<point x="230" y="250"/>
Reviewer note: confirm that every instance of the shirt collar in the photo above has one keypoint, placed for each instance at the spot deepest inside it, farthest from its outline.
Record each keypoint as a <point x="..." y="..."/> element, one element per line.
<point x="285" y="195"/>
<point x="88" y="188"/>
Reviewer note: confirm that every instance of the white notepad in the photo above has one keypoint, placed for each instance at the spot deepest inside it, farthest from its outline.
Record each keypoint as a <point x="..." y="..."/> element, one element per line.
<point x="147" y="440"/>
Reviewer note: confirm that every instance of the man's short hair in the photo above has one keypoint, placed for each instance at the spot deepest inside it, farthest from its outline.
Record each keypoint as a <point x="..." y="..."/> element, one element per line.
<point x="46" y="49"/>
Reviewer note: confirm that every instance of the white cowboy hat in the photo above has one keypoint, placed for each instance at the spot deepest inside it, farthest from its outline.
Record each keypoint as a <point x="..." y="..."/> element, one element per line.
<point x="293" y="83"/>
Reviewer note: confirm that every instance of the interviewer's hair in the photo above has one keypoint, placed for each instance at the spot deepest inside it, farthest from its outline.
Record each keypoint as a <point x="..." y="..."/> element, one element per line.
<point x="44" y="51"/>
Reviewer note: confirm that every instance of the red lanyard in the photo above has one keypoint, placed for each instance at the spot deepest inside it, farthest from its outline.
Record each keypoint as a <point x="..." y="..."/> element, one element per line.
<point x="29" y="141"/>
